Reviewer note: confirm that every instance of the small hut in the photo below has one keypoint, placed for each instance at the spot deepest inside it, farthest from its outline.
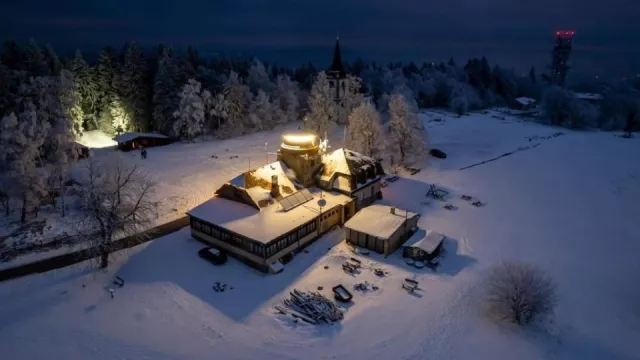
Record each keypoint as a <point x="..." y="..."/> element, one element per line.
<point x="423" y="245"/>
<point x="381" y="228"/>
<point x="134" y="140"/>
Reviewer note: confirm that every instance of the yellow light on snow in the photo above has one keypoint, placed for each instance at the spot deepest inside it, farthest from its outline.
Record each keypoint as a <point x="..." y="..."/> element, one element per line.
<point x="299" y="139"/>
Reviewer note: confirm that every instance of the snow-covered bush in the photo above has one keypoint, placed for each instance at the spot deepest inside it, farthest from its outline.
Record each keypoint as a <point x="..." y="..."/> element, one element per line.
<point x="519" y="292"/>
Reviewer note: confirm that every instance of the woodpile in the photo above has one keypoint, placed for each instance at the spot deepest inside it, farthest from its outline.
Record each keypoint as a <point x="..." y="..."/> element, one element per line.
<point x="311" y="307"/>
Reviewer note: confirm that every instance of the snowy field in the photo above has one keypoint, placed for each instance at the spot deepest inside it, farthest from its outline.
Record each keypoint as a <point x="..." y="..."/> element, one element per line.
<point x="566" y="203"/>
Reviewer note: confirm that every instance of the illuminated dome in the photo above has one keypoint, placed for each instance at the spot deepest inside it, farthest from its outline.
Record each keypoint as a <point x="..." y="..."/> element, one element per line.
<point x="300" y="142"/>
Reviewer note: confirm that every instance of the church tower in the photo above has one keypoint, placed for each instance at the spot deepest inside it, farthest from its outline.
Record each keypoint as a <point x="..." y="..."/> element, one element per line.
<point x="336" y="73"/>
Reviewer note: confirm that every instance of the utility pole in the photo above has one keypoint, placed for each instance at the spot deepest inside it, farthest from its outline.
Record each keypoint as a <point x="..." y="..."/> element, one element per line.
<point x="266" y="154"/>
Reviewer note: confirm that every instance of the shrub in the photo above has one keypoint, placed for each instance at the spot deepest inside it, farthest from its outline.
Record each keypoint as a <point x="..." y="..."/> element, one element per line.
<point x="519" y="293"/>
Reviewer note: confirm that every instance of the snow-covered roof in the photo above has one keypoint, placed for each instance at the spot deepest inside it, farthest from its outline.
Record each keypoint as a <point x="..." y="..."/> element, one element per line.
<point x="335" y="162"/>
<point x="377" y="220"/>
<point x="525" y="100"/>
<point x="588" y="96"/>
<point x="128" y="136"/>
<point x="426" y="240"/>
<point x="347" y="162"/>
<point x="267" y="224"/>
<point x="257" y="182"/>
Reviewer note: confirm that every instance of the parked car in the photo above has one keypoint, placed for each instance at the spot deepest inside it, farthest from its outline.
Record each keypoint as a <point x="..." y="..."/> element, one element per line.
<point x="213" y="255"/>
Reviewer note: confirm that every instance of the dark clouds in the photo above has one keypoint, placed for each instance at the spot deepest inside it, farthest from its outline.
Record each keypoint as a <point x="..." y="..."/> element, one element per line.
<point x="517" y="33"/>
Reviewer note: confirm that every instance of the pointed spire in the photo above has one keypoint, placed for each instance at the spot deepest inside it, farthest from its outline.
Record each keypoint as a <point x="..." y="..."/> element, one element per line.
<point x="336" y="66"/>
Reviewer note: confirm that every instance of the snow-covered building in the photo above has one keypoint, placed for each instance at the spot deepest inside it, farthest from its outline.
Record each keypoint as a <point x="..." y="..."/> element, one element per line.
<point x="135" y="140"/>
<point x="380" y="228"/>
<point x="589" y="97"/>
<point x="523" y="103"/>
<point x="267" y="213"/>
<point x="423" y="245"/>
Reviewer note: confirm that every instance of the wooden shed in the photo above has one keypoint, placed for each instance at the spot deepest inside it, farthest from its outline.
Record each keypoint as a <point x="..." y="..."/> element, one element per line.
<point x="134" y="140"/>
<point x="423" y="245"/>
<point x="380" y="228"/>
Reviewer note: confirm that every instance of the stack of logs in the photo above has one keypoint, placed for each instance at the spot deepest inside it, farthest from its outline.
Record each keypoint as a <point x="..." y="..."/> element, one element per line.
<point x="312" y="307"/>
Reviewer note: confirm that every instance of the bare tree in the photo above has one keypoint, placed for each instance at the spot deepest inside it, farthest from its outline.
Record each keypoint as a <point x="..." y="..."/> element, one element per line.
<point x="118" y="200"/>
<point x="519" y="292"/>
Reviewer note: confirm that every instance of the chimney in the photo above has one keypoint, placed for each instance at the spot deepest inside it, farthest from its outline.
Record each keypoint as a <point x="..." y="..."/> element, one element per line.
<point x="393" y="210"/>
<point x="275" y="188"/>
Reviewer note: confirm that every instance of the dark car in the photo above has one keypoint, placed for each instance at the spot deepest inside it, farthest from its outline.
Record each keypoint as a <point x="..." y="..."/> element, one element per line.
<point x="213" y="255"/>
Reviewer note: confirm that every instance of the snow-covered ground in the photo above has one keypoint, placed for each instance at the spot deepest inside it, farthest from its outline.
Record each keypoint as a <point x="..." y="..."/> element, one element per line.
<point x="569" y="205"/>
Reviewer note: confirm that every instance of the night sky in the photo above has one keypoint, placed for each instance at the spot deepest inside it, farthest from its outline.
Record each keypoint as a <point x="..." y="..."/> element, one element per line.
<point x="513" y="33"/>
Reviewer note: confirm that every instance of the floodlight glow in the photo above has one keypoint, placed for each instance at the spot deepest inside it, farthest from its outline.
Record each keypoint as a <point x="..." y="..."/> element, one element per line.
<point x="302" y="139"/>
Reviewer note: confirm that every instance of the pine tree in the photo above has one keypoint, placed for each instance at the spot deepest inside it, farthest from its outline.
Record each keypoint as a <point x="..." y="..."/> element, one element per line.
<point x="88" y="92"/>
<point x="165" y="89"/>
<point x="365" y="133"/>
<point x="132" y="87"/>
<point x="190" y="115"/>
<point x="322" y="106"/>
<point x="119" y="116"/>
<point x="105" y="77"/>
<point x="13" y="56"/>
<point x="70" y="119"/>
<point x="234" y="106"/>
<point x="35" y="60"/>
<point x="532" y="76"/>
<point x="55" y="66"/>
<point x="407" y="133"/>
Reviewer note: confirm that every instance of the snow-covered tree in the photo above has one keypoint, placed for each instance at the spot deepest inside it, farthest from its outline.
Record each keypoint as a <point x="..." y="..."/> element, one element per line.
<point x="556" y="105"/>
<point x="351" y="98"/>
<point x="88" y="92"/>
<point x="190" y="116"/>
<point x="365" y="133"/>
<point x="120" y="116"/>
<point x="105" y="76"/>
<point x="285" y="99"/>
<point x="233" y="105"/>
<point x="35" y="60"/>
<point x="407" y="135"/>
<point x="165" y="88"/>
<point x="463" y="98"/>
<point x="118" y="199"/>
<point x="70" y="101"/>
<point x="261" y="112"/>
<point x="55" y="66"/>
<point x="20" y="140"/>
<point x="258" y="78"/>
<point x="322" y="106"/>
